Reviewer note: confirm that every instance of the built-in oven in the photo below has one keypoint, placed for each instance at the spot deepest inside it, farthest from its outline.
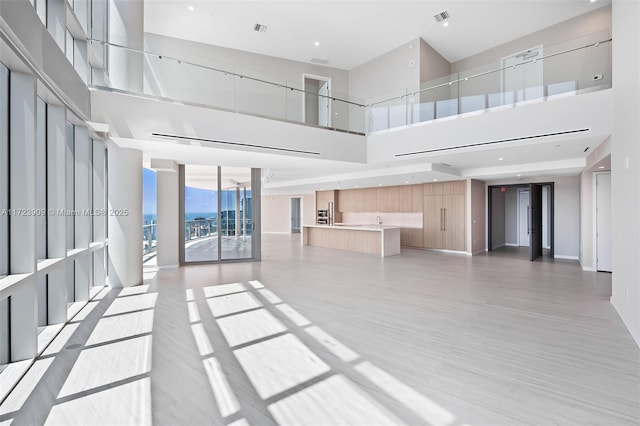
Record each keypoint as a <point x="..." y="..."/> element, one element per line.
<point x="323" y="217"/>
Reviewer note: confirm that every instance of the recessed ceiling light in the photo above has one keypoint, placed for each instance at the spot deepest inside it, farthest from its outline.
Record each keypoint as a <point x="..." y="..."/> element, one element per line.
<point x="435" y="180"/>
<point x="317" y="43"/>
<point x="379" y="184"/>
<point x="592" y="1"/>
<point x="518" y="175"/>
<point x="445" y="24"/>
<point x="406" y="181"/>
<point x="601" y="167"/>
<point x="191" y="8"/>
<point x="500" y="159"/>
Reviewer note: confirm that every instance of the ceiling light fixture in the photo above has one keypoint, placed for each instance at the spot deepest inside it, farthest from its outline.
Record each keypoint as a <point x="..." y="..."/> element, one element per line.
<point x="500" y="159"/>
<point x="445" y="24"/>
<point x="191" y="8"/>
<point x="317" y="43"/>
<point x="518" y="175"/>
<point x="601" y="167"/>
<point x="435" y="180"/>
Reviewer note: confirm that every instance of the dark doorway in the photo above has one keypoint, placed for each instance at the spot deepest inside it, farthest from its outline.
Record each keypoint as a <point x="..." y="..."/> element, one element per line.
<point x="521" y="215"/>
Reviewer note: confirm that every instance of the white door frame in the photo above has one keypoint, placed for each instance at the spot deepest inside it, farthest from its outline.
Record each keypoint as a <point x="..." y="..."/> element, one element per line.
<point x="304" y="95"/>
<point x="301" y="198"/>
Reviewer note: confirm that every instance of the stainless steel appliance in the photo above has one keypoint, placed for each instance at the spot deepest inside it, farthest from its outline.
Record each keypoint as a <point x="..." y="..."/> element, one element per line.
<point x="323" y="217"/>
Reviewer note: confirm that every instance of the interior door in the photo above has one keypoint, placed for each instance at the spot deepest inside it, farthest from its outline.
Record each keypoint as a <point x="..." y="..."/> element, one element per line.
<point x="432" y="221"/>
<point x="521" y="77"/>
<point x="453" y="214"/>
<point x="603" y="222"/>
<point x="535" y="221"/>
<point x="324" y="116"/>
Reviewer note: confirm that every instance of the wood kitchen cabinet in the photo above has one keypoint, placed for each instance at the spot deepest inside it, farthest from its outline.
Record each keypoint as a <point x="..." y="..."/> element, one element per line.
<point x="388" y="199"/>
<point x="444" y="213"/>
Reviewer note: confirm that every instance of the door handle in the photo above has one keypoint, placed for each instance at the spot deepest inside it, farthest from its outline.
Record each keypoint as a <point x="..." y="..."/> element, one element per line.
<point x="441" y="219"/>
<point x="444" y="220"/>
<point x="528" y="220"/>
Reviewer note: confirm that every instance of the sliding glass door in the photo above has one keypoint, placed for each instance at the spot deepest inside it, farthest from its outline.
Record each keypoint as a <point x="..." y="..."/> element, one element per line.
<point x="217" y="214"/>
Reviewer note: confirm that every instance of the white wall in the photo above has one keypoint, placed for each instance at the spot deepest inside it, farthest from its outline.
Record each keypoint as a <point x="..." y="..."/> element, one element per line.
<point x="498" y="223"/>
<point x="625" y="164"/>
<point x="567" y="217"/>
<point x="579" y="31"/>
<point x="276" y="212"/>
<point x="476" y="218"/>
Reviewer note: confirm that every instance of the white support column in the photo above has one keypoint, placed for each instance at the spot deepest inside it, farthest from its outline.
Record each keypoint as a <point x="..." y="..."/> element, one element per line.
<point x="125" y="216"/>
<point x="168" y="222"/>
<point x="99" y="221"/>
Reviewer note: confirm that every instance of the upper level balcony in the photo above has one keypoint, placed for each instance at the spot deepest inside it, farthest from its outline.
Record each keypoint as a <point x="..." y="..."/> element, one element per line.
<point x="535" y="75"/>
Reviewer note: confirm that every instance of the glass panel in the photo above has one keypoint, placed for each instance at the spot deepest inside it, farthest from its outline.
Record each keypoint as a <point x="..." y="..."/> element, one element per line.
<point x="41" y="8"/>
<point x="70" y="196"/>
<point x="4" y="170"/>
<point x="149" y="214"/>
<point x="69" y="46"/>
<point x="41" y="204"/>
<point x="201" y="213"/>
<point x="236" y="218"/>
<point x="41" y="180"/>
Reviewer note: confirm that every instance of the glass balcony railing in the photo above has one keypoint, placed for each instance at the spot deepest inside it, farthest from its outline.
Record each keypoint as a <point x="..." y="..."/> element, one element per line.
<point x="203" y="228"/>
<point x="576" y="66"/>
<point x="149" y="238"/>
<point x="211" y="83"/>
<point x="544" y="72"/>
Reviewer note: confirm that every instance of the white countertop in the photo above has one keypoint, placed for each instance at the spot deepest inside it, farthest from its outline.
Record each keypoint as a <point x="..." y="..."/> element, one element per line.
<point x="378" y="228"/>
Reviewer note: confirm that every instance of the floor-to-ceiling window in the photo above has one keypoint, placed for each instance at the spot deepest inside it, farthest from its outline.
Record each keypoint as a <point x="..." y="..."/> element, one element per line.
<point x="218" y="219"/>
<point x="149" y="214"/>
<point x="40" y="215"/>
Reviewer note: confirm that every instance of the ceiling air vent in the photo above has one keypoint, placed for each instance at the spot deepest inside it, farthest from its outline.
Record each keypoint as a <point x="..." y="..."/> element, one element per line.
<point x="260" y="28"/>
<point x="441" y="16"/>
<point x="319" y="61"/>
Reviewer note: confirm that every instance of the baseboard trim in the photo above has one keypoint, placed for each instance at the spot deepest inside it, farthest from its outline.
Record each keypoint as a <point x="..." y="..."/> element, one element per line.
<point x="589" y="269"/>
<point x="449" y="251"/>
<point x="176" y="266"/>
<point x="277" y="232"/>
<point x="560" y="256"/>
<point x="511" y="245"/>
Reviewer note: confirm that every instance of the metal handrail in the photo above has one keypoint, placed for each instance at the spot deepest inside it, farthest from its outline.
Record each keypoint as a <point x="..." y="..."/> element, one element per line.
<point x="225" y="72"/>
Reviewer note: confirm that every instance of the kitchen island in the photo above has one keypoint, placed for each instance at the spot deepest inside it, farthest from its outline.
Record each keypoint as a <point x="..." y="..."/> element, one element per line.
<point x="373" y="239"/>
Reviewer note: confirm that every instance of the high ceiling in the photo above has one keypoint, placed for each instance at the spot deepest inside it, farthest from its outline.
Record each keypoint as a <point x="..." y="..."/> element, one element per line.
<point x="350" y="33"/>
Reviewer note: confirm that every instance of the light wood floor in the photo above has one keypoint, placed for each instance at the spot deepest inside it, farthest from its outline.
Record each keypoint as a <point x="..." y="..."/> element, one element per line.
<point x="318" y="336"/>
